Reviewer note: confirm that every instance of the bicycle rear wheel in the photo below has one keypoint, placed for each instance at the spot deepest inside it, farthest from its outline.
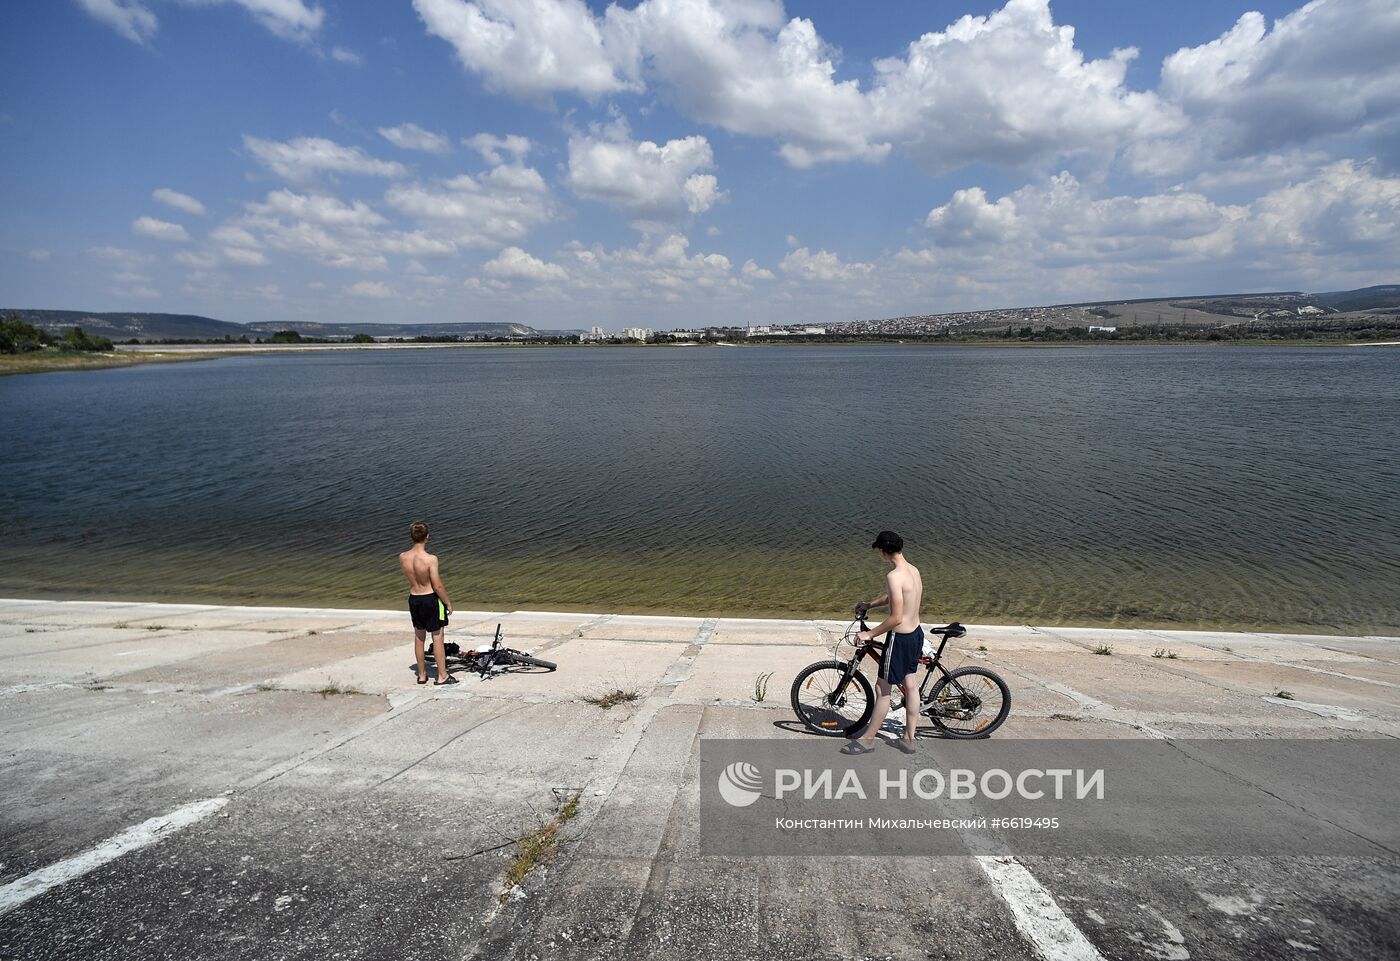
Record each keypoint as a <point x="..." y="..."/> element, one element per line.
<point x="819" y="706"/>
<point x="969" y="702"/>
<point x="531" y="664"/>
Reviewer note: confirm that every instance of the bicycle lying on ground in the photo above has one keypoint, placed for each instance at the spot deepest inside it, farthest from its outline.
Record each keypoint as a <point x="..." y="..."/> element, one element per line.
<point x="496" y="659"/>
<point x="834" y="698"/>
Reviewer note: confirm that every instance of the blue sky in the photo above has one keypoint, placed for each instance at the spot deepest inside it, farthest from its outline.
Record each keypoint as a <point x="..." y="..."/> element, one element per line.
<point x="674" y="162"/>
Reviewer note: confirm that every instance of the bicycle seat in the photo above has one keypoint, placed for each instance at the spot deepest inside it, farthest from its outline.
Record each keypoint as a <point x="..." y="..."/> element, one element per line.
<point x="950" y="630"/>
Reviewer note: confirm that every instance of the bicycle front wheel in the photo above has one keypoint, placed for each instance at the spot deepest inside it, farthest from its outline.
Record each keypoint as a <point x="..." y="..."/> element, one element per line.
<point x="829" y="702"/>
<point x="969" y="702"/>
<point x="532" y="664"/>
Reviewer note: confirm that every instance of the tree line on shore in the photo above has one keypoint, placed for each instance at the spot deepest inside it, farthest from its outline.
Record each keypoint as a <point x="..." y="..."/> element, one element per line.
<point x="18" y="337"/>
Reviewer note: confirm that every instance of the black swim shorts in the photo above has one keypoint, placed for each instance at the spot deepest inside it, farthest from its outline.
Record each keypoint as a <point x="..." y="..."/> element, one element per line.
<point x="901" y="657"/>
<point x="428" y="611"/>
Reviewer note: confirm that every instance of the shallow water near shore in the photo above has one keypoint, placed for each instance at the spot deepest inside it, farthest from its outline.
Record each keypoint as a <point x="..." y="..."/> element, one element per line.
<point x="1232" y="487"/>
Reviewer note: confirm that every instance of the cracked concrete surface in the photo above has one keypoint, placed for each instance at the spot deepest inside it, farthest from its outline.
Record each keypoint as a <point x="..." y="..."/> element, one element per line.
<point x="348" y="816"/>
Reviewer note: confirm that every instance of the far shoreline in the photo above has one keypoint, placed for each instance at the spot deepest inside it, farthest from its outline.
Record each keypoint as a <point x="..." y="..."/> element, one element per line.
<point x="221" y="350"/>
<point x="135" y="355"/>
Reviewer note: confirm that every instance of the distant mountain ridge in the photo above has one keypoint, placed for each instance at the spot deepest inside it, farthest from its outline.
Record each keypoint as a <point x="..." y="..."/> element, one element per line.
<point x="309" y="329"/>
<point x="121" y="326"/>
<point x="1366" y="298"/>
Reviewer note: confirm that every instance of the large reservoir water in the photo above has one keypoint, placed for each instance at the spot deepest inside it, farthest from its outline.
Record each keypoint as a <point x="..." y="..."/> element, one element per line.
<point x="1172" y="486"/>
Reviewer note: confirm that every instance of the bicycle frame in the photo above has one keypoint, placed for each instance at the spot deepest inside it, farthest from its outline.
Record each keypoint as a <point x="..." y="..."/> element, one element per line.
<point x="933" y="664"/>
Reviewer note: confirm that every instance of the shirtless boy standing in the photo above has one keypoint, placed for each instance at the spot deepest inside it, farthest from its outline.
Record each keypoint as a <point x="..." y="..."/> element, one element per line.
<point x="899" y="662"/>
<point x="427" y="602"/>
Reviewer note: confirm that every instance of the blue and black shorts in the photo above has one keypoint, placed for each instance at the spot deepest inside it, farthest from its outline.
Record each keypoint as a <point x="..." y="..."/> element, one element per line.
<point x="901" y="657"/>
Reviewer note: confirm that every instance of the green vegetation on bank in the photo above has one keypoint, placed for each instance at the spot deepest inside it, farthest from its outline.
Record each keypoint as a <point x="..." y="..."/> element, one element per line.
<point x="17" y="337"/>
<point x="26" y="349"/>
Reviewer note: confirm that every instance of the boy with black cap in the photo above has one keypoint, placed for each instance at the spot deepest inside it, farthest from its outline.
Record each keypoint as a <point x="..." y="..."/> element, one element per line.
<point x="899" y="663"/>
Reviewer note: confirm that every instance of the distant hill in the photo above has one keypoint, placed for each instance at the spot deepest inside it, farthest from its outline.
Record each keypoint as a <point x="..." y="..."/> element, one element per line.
<point x="1367" y="298"/>
<point x="331" y="331"/>
<point x="1193" y="297"/>
<point x="125" y="326"/>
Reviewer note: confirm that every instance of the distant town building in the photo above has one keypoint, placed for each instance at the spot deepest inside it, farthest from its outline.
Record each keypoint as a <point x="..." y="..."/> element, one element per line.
<point x="636" y="333"/>
<point x="1102" y="330"/>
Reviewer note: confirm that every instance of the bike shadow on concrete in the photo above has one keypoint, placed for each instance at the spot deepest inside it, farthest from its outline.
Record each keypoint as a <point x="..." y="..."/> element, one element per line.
<point x="890" y="727"/>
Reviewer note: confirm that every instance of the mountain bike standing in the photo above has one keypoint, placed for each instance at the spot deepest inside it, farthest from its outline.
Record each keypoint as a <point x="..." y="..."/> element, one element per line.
<point x="428" y="605"/>
<point x="899" y="662"/>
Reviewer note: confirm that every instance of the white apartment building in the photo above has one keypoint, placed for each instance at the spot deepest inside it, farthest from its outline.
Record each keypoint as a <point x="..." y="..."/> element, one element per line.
<point x="636" y="333"/>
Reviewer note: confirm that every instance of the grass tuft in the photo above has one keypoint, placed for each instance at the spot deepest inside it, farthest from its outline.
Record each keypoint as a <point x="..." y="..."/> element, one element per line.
<point x="611" y="698"/>
<point x="981" y="647"/>
<point x="1163" y="652"/>
<point x="1065" y="717"/>
<point x="1104" y="649"/>
<point x="760" y="687"/>
<point x="335" y="688"/>
<point x="311" y="633"/>
<point x="539" y="847"/>
<point x="1284" y="695"/>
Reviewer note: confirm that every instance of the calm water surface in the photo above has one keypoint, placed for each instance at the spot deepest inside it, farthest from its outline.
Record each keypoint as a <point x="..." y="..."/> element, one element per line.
<point x="1239" y="487"/>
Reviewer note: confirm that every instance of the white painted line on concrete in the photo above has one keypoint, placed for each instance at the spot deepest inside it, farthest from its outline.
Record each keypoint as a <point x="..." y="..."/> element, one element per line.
<point x="1319" y="670"/>
<point x="236" y="689"/>
<point x="1321" y="710"/>
<point x="142" y="835"/>
<point x="1091" y="706"/>
<point x="1037" y="914"/>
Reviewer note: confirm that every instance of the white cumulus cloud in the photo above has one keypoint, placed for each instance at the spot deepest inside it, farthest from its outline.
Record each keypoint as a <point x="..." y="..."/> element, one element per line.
<point x="822" y="267"/>
<point x="492" y="148"/>
<point x="515" y="264"/>
<point x="1330" y="66"/>
<point x="289" y="19"/>
<point x="159" y="230"/>
<point x="410" y="136"/>
<point x="173" y="198"/>
<point x="529" y="48"/>
<point x="490" y="210"/>
<point x="654" y="184"/>
<point x="752" y="271"/>
<point x="303" y="159"/>
<point x="130" y="18"/>
<point x="1057" y="239"/>
<point x="1007" y="88"/>
<point x="373" y="289"/>
<point x="319" y="227"/>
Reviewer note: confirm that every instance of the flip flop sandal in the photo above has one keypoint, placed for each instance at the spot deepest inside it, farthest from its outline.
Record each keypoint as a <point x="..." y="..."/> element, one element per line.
<point x="450" y="680"/>
<point x="856" y="748"/>
<point x="422" y="680"/>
